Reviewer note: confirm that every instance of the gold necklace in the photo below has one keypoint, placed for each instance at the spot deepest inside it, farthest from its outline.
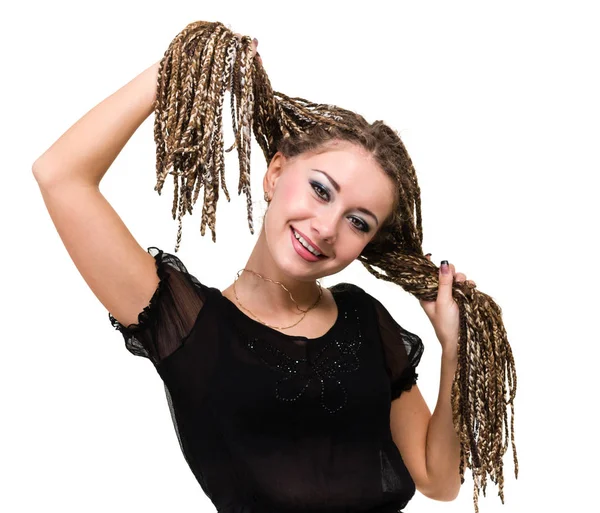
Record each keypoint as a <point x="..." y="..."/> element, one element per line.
<point x="279" y="283"/>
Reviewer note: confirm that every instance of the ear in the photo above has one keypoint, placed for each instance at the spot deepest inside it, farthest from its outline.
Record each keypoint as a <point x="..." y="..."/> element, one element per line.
<point x="274" y="171"/>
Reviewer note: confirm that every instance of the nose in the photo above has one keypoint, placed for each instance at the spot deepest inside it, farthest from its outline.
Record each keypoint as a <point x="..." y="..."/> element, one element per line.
<point x="325" y="225"/>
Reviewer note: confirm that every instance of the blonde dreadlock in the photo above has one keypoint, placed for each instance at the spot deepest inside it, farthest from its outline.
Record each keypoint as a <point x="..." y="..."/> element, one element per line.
<point x="207" y="59"/>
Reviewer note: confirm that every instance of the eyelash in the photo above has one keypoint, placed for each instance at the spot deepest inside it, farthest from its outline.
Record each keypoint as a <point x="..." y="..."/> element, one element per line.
<point x="364" y="226"/>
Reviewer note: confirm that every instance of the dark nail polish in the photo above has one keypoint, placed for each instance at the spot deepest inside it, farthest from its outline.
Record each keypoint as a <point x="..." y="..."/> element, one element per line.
<point x="444" y="262"/>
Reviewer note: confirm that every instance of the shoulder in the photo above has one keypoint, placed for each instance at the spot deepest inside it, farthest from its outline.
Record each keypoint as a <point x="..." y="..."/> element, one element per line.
<point x="171" y="266"/>
<point x="347" y="289"/>
<point x="351" y="289"/>
<point x="353" y="294"/>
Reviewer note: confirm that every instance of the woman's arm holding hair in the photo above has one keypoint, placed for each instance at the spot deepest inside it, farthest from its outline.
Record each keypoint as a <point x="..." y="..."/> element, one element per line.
<point x="121" y="274"/>
<point x="428" y="442"/>
<point x="443" y="446"/>
<point x="87" y="149"/>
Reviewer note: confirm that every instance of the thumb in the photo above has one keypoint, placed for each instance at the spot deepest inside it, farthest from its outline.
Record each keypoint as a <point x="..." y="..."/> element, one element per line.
<point x="446" y="278"/>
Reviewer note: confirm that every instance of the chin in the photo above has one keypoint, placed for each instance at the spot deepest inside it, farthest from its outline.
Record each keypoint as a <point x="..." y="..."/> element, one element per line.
<point x="296" y="272"/>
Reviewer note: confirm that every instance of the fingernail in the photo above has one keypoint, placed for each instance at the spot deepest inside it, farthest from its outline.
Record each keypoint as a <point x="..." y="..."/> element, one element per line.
<point x="445" y="267"/>
<point x="428" y="254"/>
<point x="255" y="41"/>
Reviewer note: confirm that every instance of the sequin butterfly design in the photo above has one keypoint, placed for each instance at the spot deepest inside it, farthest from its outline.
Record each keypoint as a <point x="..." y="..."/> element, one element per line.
<point x="337" y="356"/>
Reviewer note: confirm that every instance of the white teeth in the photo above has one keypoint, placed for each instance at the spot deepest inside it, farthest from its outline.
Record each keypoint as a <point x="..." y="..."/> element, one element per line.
<point x="306" y="244"/>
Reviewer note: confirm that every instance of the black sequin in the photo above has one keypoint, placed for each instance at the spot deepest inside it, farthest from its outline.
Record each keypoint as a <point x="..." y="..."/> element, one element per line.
<point x="339" y="355"/>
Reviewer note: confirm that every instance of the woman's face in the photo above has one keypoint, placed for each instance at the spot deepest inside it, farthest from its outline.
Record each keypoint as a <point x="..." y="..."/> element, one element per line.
<point x="336" y="200"/>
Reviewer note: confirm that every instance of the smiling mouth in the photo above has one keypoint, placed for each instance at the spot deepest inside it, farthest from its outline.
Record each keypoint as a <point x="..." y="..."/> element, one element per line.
<point x="321" y="256"/>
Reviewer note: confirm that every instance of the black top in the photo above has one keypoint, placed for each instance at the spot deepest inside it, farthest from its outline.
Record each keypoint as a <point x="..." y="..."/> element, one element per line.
<point x="270" y="422"/>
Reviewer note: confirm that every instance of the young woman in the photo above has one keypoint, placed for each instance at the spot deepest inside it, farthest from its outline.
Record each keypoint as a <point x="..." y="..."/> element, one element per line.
<point x="285" y="396"/>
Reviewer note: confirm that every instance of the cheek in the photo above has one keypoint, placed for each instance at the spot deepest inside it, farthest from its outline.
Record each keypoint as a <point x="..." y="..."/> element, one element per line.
<point x="291" y="194"/>
<point x="348" y="250"/>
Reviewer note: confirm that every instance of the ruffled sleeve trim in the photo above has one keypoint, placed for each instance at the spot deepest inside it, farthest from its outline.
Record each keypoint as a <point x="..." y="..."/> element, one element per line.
<point x="404" y="382"/>
<point x="402" y="350"/>
<point x="148" y="316"/>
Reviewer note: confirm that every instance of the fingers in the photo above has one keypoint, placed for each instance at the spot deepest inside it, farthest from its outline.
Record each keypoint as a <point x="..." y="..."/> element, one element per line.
<point x="458" y="277"/>
<point x="255" y="50"/>
<point x="254" y="46"/>
<point x="445" y="282"/>
<point x="255" y="54"/>
<point x="462" y="278"/>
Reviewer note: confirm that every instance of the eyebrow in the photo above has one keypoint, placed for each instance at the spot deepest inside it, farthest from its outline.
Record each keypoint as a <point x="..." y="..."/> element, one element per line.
<point x="337" y="188"/>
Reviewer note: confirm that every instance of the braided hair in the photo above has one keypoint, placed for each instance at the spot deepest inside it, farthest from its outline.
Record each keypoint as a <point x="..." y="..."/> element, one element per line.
<point x="201" y="64"/>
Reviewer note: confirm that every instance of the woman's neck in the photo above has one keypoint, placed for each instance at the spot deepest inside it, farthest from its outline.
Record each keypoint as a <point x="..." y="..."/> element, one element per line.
<point x="268" y="295"/>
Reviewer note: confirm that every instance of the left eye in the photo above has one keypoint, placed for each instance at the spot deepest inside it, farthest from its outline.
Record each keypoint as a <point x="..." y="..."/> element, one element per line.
<point x="361" y="225"/>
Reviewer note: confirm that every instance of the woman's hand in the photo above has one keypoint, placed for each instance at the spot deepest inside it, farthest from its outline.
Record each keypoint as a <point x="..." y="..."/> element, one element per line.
<point x="443" y="312"/>
<point x="254" y="46"/>
<point x="254" y="52"/>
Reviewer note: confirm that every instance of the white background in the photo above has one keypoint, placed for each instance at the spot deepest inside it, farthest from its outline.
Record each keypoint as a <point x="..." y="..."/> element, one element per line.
<point x="498" y="106"/>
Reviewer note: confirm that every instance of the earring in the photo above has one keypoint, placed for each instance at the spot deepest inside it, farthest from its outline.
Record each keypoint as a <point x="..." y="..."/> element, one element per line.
<point x="267" y="199"/>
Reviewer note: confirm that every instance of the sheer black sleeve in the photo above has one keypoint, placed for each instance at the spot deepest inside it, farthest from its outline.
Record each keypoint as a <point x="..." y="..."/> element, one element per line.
<point x="171" y="313"/>
<point x="402" y="350"/>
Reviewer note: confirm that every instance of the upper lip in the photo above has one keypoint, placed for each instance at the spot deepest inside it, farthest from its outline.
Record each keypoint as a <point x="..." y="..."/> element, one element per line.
<point x="309" y="241"/>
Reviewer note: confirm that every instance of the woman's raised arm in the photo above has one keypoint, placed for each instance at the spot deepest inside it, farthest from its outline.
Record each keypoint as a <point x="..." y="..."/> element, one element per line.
<point x="87" y="149"/>
<point x="119" y="271"/>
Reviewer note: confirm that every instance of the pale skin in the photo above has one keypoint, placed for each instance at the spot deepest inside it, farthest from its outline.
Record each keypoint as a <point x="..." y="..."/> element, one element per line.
<point x="306" y="200"/>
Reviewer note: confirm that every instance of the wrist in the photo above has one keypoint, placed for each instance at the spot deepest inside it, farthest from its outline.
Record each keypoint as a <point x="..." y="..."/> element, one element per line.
<point x="450" y="351"/>
<point x="151" y="76"/>
<point x="450" y="356"/>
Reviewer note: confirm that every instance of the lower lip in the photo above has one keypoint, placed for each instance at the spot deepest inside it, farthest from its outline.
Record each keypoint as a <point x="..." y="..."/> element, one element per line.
<point x="302" y="251"/>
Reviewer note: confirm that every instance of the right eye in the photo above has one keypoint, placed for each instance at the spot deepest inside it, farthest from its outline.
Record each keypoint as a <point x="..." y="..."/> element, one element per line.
<point x="321" y="191"/>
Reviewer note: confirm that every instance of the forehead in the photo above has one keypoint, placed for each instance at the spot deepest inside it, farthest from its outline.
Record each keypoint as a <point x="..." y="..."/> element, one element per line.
<point x="348" y="163"/>
<point x="344" y="157"/>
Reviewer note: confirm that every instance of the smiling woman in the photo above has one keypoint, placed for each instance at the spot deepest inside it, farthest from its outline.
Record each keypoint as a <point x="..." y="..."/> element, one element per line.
<point x="329" y="214"/>
<point x="374" y="172"/>
<point x="286" y="396"/>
